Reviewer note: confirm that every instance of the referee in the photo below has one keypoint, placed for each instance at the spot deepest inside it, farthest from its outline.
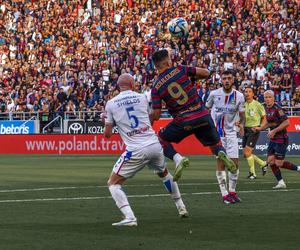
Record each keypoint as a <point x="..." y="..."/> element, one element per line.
<point x="255" y="116"/>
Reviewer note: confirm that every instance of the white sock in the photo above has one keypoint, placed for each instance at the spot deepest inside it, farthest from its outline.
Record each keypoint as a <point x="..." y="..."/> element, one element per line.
<point x="177" y="159"/>
<point x="281" y="181"/>
<point x="298" y="168"/>
<point x="221" y="177"/>
<point x="232" y="181"/>
<point x="121" y="200"/>
<point x="173" y="189"/>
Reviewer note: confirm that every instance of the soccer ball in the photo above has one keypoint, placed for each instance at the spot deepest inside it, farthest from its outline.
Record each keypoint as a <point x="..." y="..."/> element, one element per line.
<point x="178" y="27"/>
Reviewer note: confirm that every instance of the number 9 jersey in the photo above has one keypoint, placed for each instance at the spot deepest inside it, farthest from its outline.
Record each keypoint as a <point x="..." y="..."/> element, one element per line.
<point x="181" y="97"/>
<point x="129" y="110"/>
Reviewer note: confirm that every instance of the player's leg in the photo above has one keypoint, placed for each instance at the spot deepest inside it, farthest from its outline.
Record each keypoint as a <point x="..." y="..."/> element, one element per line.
<point x="280" y="151"/>
<point x="207" y="134"/>
<point x="232" y="149"/>
<point x="115" y="187"/>
<point x="222" y="178"/>
<point x="126" y="167"/>
<point x="174" y="132"/>
<point x="273" y="163"/>
<point x="156" y="160"/>
<point x="290" y="166"/>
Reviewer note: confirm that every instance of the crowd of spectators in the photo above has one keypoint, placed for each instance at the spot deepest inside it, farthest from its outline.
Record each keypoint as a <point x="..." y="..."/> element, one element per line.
<point x="60" y="55"/>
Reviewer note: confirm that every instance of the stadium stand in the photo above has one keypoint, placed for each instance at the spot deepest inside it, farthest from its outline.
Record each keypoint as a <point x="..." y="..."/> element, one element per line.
<point x="65" y="56"/>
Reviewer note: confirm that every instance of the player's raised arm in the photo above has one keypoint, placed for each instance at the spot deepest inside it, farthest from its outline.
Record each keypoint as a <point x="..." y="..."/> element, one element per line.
<point x="202" y="73"/>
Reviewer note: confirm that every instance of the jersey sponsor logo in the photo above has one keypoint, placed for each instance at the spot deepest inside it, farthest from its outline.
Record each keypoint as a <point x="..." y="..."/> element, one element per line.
<point x="225" y="109"/>
<point x="138" y="131"/>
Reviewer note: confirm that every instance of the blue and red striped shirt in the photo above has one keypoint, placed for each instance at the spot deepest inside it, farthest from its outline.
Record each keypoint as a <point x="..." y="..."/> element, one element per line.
<point x="275" y="116"/>
<point x="175" y="88"/>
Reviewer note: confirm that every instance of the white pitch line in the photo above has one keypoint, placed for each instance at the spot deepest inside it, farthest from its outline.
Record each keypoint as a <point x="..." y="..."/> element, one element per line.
<point x="138" y="196"/>
<point x="134" y="185"/>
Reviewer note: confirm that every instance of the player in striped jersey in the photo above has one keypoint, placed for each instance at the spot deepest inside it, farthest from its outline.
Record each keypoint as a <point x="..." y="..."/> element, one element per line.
<point x="277" y="122"/>
<point x="175" y="88"/>
<point x="228" y="112"/>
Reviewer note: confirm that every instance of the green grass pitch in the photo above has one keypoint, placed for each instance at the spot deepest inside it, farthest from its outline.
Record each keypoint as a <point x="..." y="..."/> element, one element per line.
<point x="51" y="202"/>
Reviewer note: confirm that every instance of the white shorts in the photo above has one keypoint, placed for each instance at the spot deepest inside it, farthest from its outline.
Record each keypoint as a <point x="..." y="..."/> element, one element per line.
<point x="231" y="146"/>
<point x="130" y="163"/>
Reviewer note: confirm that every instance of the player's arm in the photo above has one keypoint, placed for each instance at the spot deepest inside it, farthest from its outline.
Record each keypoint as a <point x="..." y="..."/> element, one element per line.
<point x="283" y="125"/>
<point x="156" y="106"/>
<point x="108" y="130"/>
<point x="109" y="121"/>
<point x="242" y="120"/>
<point x="196" y="72"/>
<point x="202" y="73"/>
<point x="155" y="115"/>
<point x="210" y="101"/>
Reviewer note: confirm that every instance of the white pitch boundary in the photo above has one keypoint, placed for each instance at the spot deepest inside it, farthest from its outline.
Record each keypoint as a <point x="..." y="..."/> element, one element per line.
<point x="133" y="185"/>
<point x="138" y="196"/>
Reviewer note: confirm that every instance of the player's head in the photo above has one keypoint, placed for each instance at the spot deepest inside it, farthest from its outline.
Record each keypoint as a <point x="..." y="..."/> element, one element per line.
<point x="125" y="82"/>
<point x="269" y="98"/>
<point x="162" y="60"/>
<point x="227" y="80"/>
<point x="249" y="93"/>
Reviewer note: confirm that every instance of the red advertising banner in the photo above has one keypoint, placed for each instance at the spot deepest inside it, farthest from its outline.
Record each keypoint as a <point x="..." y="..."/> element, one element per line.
<point x="294" y="124"/>
<point x="94" y="144"/>
<point x="78" y="144"/>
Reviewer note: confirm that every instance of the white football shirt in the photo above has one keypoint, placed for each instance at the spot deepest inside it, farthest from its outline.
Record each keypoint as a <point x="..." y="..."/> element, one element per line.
<point x="225" y="110"/>
<point x="129" y="110"/>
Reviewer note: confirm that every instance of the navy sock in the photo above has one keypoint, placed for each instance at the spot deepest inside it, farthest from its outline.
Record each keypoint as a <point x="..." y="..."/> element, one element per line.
<point x="217" y="148"/>
<point x="168" y="148"/>
<point x="289" y="165"/>
<point x="276" y="171"/>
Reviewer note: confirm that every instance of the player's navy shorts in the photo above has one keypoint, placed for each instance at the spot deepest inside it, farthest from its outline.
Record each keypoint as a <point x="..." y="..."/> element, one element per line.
<point x="203" y="128"/>
<point x="277" y="149"/>
<point x="250" y="138"/>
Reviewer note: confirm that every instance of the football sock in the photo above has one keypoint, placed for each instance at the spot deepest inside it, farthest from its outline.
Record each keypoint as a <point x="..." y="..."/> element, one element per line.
<point x="276" y="171"/>
<point x="172" y="188"/>
<point x="232" y="181"/>
<point x="217" y="148"/>
<point x="221" y="177"/>
<point x="121" y="200"/>
<point x="289" y="165"/>
<point x="259" y="161"/>
<point x="168" y="148"/>
<point x="251" y="165"/>
<point x="177" y="159"/>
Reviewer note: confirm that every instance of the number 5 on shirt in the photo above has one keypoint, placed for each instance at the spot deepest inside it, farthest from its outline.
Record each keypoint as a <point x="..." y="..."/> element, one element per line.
<point x="133" y="119"/>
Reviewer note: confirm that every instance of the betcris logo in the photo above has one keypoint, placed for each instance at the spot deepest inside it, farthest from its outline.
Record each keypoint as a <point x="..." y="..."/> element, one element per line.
<point x="16" y="127"/>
